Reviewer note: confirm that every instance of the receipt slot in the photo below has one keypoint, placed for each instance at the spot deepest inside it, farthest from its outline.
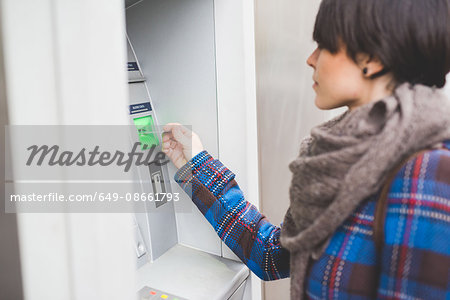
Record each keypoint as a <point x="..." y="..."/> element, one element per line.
<point x="149" y="140"/>
<point x="157" y="182"/>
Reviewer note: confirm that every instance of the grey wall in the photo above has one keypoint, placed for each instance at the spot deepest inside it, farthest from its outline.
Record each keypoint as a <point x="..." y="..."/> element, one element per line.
<point x="286" y="110"/>
<point x="10" y="273"/>
<point x="285" y="97"/>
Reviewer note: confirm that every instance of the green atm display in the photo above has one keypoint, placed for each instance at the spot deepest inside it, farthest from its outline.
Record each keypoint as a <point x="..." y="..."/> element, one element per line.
<point x="146" y="133"/>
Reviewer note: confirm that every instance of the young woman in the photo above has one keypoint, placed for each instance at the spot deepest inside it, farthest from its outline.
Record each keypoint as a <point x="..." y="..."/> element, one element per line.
<point x="385" y="60"/>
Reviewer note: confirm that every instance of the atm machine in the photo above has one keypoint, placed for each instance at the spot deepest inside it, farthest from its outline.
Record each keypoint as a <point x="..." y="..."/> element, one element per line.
<point x="196" y="60"/>
<point x="172" y="76"/>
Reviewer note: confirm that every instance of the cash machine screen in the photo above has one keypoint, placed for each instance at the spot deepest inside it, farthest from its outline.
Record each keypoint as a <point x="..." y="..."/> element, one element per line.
<point x="146" y="133"/>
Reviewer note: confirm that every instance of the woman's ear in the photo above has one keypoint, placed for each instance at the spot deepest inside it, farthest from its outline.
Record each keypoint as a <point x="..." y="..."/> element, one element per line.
<point x="369" y="64"/>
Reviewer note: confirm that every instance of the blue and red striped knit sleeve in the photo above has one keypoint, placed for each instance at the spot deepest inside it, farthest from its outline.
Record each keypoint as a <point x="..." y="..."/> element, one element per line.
<point x="238" y="223"/>
<point x="415" y="260"/>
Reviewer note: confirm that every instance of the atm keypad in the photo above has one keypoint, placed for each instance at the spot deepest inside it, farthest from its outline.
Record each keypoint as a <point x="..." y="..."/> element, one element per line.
<point x="147" y="293"/>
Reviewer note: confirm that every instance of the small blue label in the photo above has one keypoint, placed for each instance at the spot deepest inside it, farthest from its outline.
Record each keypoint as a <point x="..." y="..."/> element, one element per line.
<point x="139" y="108"/>
<point x="133" y="66"/>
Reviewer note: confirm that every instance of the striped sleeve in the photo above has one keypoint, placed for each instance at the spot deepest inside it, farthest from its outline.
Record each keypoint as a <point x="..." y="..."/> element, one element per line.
<point x="415" y="260"/>
<point x="238" y="223"/>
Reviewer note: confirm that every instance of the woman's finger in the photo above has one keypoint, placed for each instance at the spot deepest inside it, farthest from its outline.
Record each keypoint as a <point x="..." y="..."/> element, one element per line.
<point x="169" y="126"/>
<point x="180" y="137"/>
<point x="167" y="136"/>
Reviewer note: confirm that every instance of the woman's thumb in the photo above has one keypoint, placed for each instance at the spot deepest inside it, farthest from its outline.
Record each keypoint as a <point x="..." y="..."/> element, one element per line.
<point x="182" y="138"/>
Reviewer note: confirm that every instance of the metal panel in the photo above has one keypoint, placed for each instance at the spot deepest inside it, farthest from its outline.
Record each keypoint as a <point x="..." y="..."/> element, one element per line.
<point x="236" y="90"/>
<point x="158" y="224"/>
<point x="193" y="274"/>
<point x="174" y="43"/>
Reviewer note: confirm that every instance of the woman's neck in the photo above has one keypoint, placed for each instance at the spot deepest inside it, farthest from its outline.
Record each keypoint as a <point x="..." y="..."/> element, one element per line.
<point x="375" y="89"/>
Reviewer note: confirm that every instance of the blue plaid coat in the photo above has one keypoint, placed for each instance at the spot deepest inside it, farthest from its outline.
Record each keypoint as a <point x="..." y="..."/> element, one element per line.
<point x="414" y="262"/>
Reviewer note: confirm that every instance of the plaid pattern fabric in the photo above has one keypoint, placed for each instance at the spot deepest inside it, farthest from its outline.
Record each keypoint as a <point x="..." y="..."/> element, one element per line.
<point x="415" y="259"/>
<point x="239" y="224"/>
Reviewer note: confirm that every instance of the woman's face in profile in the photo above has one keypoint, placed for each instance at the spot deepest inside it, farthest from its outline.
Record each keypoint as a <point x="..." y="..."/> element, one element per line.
<point x="338" y="80"/>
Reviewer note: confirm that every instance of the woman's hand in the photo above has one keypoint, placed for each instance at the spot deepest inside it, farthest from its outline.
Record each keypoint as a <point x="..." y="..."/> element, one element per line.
<point x="180" y="144"/>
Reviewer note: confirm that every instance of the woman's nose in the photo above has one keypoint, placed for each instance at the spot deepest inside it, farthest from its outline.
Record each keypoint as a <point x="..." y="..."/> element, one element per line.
<point x="312" y="59"/>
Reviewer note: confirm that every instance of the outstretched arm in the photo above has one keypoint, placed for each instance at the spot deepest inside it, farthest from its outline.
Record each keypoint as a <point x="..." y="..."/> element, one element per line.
<point x="238" y="223"/>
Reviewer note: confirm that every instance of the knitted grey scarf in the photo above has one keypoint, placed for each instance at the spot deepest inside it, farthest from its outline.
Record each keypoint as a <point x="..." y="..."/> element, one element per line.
<point x="345" y="160"/>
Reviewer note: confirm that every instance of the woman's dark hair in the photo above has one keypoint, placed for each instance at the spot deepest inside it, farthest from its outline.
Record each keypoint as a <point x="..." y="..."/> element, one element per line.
<point x="411" y="38"/>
